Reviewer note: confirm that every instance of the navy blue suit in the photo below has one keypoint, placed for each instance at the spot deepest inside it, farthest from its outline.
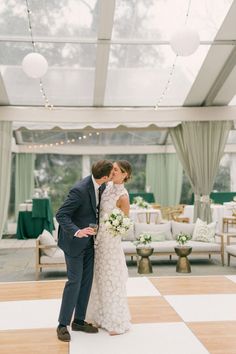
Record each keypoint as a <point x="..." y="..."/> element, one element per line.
<point x="77" y="212"/>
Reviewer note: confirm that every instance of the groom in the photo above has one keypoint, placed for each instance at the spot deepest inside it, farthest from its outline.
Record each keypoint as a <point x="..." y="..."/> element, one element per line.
<point x="75" y="238"/>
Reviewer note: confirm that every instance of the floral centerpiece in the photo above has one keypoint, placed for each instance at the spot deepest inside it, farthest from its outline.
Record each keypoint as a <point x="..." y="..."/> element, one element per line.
<point x="140" y="202"/>
<point x="143" y="240"/>
<point x="117" y="223"/>
<point x="183" y="238"/>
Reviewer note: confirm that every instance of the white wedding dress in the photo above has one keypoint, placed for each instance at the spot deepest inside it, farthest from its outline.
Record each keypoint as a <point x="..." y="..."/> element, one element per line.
<point x="108" y="306"/>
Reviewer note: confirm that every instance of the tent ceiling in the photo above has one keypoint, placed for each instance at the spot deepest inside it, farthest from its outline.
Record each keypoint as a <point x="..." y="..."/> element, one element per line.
<point x="117" y="53"/>
<point x="109" y="64"/>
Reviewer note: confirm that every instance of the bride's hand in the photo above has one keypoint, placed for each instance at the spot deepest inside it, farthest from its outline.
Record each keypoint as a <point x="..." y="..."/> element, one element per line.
<point x="87" y="231"/>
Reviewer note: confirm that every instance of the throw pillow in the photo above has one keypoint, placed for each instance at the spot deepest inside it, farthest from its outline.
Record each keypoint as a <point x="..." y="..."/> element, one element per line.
<point x="46" y="239"/>
<point x="186" y="228"/>
<point x="158" y="237"/>
<point x="164" y="228"/>
<point x="203" y="232"/>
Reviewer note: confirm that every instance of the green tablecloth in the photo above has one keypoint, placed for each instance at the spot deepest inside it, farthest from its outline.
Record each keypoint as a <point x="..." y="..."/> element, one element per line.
<point x="148" y="197"/>
<point x="31" y="224"/>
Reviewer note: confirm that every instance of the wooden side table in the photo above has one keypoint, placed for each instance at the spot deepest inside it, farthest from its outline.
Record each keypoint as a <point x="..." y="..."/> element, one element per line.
<point x="183" y="265"/>
<point x="230" y="220"/>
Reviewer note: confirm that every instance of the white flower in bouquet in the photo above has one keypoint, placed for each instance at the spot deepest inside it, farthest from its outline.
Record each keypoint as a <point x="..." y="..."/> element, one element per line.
<point x="140" y="202"/>
<point x="122" y="230"/>
<point x="117" y="223"/>
<point x="183" y="238"/>
<point x="143" y="240"/>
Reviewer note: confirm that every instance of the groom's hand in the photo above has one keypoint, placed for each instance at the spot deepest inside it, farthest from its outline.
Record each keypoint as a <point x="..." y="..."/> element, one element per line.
<point x="87" y="231"/>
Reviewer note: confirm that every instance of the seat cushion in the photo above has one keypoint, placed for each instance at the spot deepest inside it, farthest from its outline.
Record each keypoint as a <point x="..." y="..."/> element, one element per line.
<point x="169" y="246"/>
<point x="128" y="247"/>
<point x="231" y="249"/>
<point x="199" y="246"/>
<point x="46" y="239"/>
<point x="58" y="257"/>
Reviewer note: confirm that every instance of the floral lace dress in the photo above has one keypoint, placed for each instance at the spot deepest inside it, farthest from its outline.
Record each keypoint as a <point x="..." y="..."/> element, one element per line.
<point x="108" y="306"/>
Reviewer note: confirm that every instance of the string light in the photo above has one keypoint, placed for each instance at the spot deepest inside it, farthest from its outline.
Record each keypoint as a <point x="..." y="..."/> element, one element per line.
<point x="41" y="86"/>
<point x="61" y="142"/>
<point x="172" y="70"/>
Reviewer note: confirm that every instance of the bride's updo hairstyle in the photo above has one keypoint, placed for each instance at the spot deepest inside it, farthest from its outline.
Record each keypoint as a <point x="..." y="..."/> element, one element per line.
<point x="125" y="166"/>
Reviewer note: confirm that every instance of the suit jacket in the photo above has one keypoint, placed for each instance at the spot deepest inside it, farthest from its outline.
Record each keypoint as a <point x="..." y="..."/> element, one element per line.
<point x="77" y="212"/>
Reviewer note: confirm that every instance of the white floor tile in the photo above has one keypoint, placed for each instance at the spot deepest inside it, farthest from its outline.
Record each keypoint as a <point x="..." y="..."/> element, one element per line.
<point x="29" y="314"/>
<point x="164" y="338"/>
<point x="231" y="277"/>
<point x="194" y="308"/>
<point x="141" y="287"/>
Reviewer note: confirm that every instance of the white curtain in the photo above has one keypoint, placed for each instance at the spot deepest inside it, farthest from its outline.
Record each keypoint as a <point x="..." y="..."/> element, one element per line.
<point x="200" y="146"/>
<point x="164" y="175"/>
<point x="5" y="170"/>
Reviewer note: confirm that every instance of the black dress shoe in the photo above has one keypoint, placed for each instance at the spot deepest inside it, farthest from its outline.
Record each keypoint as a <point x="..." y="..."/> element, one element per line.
<point x="63" y="334"/>
<point x="86" y="327"/>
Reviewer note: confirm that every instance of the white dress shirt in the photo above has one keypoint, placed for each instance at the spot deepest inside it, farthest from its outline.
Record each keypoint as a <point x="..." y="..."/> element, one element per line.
<point x="96" y="186"/>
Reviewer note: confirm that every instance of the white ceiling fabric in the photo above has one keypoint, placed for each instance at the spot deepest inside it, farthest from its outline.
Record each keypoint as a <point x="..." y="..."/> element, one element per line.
<point x="68" y="126"/>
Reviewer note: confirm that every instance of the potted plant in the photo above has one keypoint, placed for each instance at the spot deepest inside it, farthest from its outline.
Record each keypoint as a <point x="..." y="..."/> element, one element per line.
<point x="144" y="240"/>
<point x="182" y="238"/>
<point x="141" y="203"/>
<point x="144" y="250"/>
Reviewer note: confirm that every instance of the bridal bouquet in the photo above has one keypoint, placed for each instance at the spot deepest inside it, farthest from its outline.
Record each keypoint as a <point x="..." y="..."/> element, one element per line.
<point x="117" y="223"/>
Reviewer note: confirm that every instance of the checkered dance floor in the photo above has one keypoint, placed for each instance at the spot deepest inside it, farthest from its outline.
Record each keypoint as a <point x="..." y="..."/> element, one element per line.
<point x="170" y="315"/>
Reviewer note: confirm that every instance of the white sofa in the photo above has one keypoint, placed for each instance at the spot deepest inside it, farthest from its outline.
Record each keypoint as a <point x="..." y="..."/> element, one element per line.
<point x="48" y="255"/>
<point x="166" y="233"/>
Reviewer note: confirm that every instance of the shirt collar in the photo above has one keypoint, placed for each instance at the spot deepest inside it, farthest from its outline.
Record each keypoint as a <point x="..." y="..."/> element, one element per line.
<point x="96" y="185"/>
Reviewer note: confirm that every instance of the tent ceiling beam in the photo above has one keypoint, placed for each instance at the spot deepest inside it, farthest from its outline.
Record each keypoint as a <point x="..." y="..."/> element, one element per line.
<point x="105" y="41"/>
<point x="221" y="79"/>
<point x="205" y="86"/>
<point x="105" y="150"/>
<point x="117" y="116"/>
<point x="3" y="93"/>
<point x="106" y="17"/>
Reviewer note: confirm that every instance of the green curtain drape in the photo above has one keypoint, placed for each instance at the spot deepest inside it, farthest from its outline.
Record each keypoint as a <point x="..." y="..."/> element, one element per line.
<point x="5" y="170"/>
<point x="164" y="175"/>
<point x="24" y="178"/>
<point x="200" y="146"/>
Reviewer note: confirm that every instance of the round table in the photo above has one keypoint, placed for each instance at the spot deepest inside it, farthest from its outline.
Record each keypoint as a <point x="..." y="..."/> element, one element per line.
<point x="147" y="216"/>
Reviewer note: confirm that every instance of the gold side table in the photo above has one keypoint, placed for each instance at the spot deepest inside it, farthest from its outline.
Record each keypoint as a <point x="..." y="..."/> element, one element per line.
<point x="144" y="265"/>
<point x="183" y="265"/>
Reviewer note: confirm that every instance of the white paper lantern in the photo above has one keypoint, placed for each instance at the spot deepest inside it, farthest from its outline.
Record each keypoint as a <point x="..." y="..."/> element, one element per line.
<point x="35" y="65"/>
<point x="185" y="41"/>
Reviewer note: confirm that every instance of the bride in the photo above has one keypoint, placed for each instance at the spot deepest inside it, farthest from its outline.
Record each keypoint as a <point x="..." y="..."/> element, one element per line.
<point x="108" y="306"/>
